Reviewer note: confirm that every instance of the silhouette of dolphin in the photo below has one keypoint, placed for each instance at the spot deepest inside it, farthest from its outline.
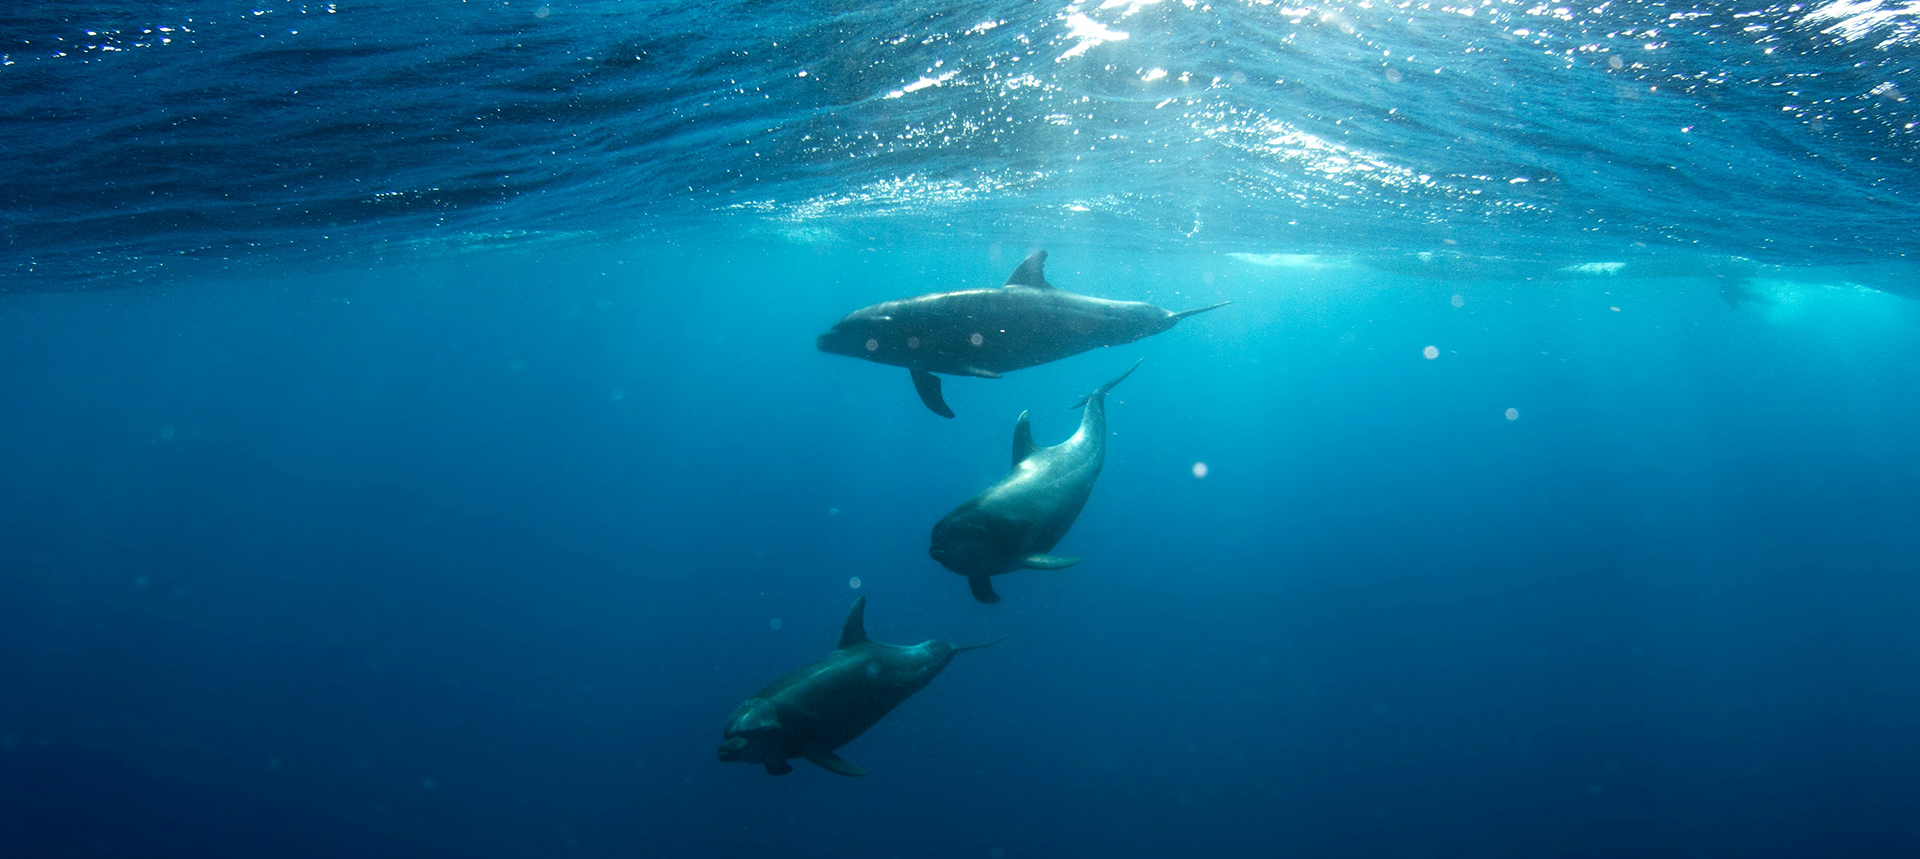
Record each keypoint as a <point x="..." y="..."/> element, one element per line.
<point x="987" y="332"/>
<point x="1017" y="521"/>
<point x="811" y="712"/>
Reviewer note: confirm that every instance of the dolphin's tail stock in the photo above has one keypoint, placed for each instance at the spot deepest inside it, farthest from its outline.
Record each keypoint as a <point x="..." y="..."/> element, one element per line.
<point x="1199" y="310"/>
<point x="961" y="647"/>
<point x="1100" y="393"/>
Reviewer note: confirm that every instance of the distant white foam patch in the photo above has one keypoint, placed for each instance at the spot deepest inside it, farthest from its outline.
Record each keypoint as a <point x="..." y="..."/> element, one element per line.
<point x="1308" y="261"/>
<point x="1595" y="268"/>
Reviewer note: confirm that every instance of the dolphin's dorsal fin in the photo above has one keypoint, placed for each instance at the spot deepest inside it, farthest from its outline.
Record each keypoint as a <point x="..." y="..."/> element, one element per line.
<point x="855" y="632"/>
<point x="1032" y="273"/>
<point x="1022" y="440"/>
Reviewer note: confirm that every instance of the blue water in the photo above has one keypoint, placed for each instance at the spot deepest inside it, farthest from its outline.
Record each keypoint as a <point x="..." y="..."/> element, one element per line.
<point x="414" y="443"/>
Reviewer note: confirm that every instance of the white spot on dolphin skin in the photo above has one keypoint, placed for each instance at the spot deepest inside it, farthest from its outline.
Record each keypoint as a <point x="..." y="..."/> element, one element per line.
<point x="976" y="339"/>
<point x="913" y="342"/>
<point x="1199" y="470"/>
<point x="775" y="624"/>
<point x="854" y="583"/>
<point x="872" y="344"/>
<point x="1513" y="414"/>
<point x="1431" y="352"/>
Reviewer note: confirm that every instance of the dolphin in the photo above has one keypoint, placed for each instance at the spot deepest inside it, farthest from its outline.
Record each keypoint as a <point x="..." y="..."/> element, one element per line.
<point x="1017" y="521"/>
<point x="987" y="332"/>
<point x="811" y="712"/>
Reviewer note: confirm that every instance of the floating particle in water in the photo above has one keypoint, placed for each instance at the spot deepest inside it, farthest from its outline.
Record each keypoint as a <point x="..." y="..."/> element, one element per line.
<point x="617" y="395"/>
<point x="976" y="339"/>
<point x="775" y="624"/>
<point x="872" y="344"/>
<point x="854" y="583"/>
<point x="1431" y="352"/>
<point x="833" y="511"/>
<point x="166" y="432"/>
<point x="1614" y="309"/>
<point x="1458" y="300"/>
<point x="1513" y="414"/>
<point x="913" y="342"/>
<point x="1199" y="470"/>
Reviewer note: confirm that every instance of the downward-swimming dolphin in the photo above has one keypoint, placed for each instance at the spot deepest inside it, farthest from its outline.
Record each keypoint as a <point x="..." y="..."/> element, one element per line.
<point x="811" y="712"/>
<point x="1016" y="522"/>
<point x="986" y="332"/>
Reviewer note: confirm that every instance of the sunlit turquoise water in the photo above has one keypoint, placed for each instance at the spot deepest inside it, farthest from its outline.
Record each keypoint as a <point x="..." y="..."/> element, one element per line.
<point x="416" y="443"/>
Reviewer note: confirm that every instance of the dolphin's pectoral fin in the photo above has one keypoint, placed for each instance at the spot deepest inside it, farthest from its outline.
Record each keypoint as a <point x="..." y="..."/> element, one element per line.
<point x="982" y="589"/>
<point x="927" y="385"/>
<point x="1048" y="562"/>
<point x="833" y="764"/>
<point x="778" y="767"/>
<point x="1022" y="440"/>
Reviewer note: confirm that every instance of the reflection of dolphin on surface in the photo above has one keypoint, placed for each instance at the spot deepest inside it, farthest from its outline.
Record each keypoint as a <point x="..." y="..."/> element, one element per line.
<point x="1017" y="521"/>
<point x="987" y="332"/>
<point x="811" y="712"/>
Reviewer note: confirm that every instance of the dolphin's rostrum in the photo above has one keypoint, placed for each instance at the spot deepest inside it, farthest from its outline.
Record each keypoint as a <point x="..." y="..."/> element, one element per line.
<point x="813" y="711"/>
<point x="1017" y="521"/>
<point x="987" y="332"/>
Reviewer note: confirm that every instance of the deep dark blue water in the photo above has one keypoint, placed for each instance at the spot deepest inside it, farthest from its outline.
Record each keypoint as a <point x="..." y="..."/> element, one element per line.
<point x="415" y="443"/>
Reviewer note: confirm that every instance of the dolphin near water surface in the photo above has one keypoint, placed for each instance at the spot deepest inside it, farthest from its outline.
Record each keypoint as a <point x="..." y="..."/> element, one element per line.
<point x="987" y="332"/>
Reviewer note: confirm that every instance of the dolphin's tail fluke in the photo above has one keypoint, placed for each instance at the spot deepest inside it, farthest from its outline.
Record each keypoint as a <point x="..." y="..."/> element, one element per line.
<point x="1103" y="389"/>
<point x="1199" y="310"/>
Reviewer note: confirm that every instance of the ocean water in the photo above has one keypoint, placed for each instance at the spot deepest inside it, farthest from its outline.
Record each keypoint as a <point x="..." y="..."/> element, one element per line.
<point x="414" y="442"/>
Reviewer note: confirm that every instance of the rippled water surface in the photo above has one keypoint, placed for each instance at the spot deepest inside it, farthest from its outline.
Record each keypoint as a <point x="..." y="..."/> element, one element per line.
<point x="159" y="133"/>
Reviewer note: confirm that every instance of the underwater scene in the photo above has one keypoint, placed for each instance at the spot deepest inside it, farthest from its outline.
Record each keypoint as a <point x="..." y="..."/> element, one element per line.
<point x="1085" y="428"/>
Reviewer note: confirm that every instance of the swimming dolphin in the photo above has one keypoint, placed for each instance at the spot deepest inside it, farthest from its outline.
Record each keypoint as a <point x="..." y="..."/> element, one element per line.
<point x="986" y="332"/>
<point x="811" y="712"/>
<point x="1017" y="521"/>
